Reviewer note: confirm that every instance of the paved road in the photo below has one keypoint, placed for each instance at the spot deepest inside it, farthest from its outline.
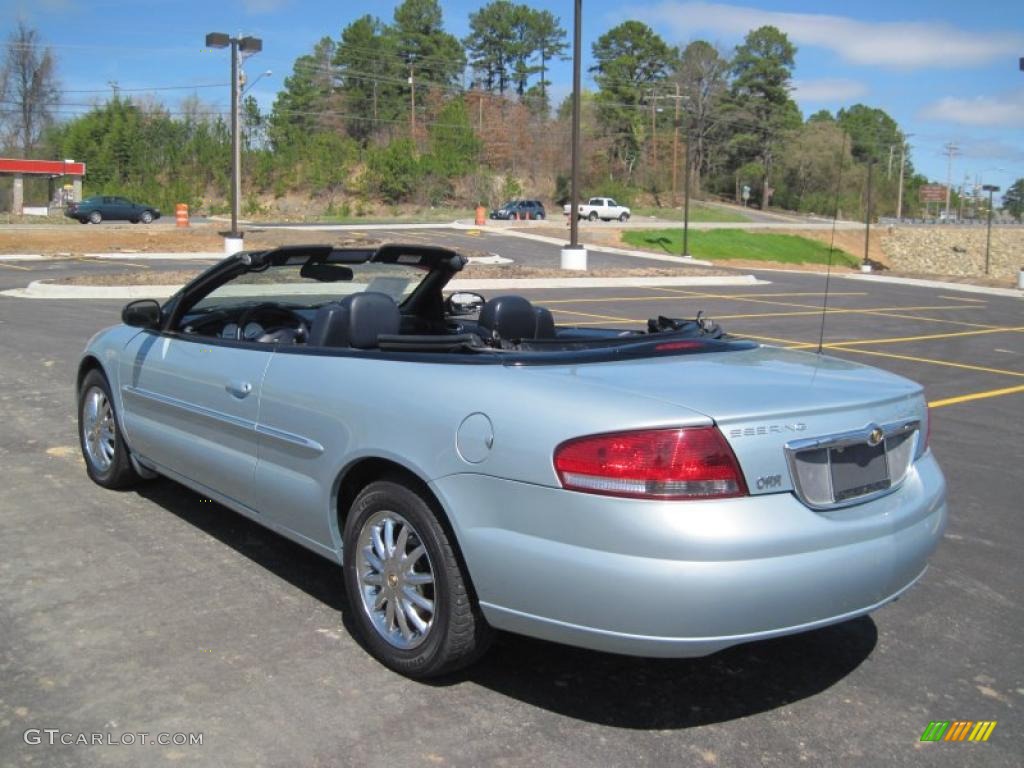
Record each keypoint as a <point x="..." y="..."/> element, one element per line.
<point x="154" y="610"/>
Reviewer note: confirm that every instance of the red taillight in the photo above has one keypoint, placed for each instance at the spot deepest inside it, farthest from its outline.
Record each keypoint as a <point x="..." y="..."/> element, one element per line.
<point x="693" y="463"/>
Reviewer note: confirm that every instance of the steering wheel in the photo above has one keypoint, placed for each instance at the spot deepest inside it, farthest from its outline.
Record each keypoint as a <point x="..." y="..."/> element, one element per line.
<point x="292" y="321"/>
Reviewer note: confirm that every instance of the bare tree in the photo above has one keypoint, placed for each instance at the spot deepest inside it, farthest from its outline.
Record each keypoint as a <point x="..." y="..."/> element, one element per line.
<point x="29" y="89"/>
<point x="701" y="72"/>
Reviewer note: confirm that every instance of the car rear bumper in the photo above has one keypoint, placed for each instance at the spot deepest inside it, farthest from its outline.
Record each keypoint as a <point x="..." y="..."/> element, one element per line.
<point x="685" y="578"/>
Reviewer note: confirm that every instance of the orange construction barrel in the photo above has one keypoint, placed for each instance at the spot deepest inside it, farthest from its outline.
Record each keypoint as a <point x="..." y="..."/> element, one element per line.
<point x="181" y="215"/>
<point x="481" y="214"/>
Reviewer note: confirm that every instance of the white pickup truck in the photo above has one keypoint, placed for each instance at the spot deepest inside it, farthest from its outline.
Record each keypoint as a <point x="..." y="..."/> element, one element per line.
<point x="603" y="208"/>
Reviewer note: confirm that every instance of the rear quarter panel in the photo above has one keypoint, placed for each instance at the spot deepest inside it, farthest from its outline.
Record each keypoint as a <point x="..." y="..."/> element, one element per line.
<point x="410" y="413"/>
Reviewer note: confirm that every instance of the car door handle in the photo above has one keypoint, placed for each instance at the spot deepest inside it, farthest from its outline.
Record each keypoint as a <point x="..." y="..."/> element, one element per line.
<point x="239" y="389"/>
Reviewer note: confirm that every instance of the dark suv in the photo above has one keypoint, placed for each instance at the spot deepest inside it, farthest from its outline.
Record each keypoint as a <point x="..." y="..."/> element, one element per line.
<point x="100" y="207"/>
<point x="520" y="209"/>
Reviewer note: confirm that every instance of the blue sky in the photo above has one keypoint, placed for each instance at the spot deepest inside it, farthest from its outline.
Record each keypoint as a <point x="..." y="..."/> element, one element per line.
<point x="946" y="71"/>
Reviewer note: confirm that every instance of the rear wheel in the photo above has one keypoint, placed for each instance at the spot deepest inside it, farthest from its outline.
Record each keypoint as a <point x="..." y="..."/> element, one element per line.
<point x="410" y="598"/>
<point x="593" y="216"/>
<point x="106" y="456"/>
<point x="95" y="217"/>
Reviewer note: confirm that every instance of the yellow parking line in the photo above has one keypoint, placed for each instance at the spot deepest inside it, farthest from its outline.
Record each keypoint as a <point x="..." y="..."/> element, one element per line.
<point x="15" y="266"/>
<point x="927" y="337"/>
<point x="758" y="295"/>
<point x="975" y="396"/>
<point x="939" y="320"/>
<point x="961" y="298"/>
<point x="130" y="264"/>
<point x="836" y="311"/>
<point x="913" y="359"/>
<point x="601" y="317"/>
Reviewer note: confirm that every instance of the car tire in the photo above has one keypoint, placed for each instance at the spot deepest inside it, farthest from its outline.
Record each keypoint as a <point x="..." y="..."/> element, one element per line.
<point x="83" y="221"/>
<point x="95" y="217"/>
<point x="623" y="217"/>
<point x="592" y="216"/>
<point x="410" y="597"/>
<point x="539" y="217"/>
<point x="147" y="217"/>
<point x="107" y="460"/>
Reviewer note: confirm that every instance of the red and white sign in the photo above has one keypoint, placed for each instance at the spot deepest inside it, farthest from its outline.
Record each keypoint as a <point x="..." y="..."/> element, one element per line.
<point x="44" y="167"/>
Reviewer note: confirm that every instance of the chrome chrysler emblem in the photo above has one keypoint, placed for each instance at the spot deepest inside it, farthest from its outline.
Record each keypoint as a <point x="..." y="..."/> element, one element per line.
<point x="876" y="436"/>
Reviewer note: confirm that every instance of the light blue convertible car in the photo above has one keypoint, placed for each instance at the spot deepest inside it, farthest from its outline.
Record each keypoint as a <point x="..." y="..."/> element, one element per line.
<point x="667" y="491"/>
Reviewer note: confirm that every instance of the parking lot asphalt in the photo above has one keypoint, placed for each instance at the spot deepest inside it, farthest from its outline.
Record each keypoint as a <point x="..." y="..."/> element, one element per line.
<point x="156" y="611"/>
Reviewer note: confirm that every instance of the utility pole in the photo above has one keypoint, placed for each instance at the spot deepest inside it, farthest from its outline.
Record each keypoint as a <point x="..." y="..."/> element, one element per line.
<point x="903" y="165"/>
<point x="675" y="150"/>
<point x="412" y="104"/>
<point x="951" y="150"/>
<point x="654" y="134"/>
<point x="888" y="173"/>
<point x="990" y="188"/>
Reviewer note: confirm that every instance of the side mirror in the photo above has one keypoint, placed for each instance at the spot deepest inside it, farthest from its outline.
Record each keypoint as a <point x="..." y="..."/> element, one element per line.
<point x="463" y="303"/>
<point x="144" y="313"/>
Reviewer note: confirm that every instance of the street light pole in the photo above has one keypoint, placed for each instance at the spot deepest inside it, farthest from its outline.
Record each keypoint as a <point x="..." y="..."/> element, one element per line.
<point x="686" y="197"/>
<point x="574" y="224"/>
<point x="239" y="45"/>
<point x="990" y="188"/>
<point x="236" y="141"/>
<point x="866" y="264"/>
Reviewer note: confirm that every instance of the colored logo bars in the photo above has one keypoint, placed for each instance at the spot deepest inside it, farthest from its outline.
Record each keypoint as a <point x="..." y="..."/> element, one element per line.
<point x="958" y="730"/>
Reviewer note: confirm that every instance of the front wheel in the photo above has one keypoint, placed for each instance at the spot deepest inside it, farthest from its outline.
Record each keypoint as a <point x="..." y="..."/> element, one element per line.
<point x="147" y="217"/>
<point x="95" y="217"/>
<point x="624" y="217"/>
<point x="106" y="456"/>
<point x="410" y="598"/>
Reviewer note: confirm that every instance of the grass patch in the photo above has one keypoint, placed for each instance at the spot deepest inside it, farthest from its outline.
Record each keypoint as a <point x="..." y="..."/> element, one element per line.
<point x="698" y="212"/>
<point x="723" y="244"/>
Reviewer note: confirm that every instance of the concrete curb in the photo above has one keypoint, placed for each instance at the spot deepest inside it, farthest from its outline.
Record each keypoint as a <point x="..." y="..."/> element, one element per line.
<point x="921" y="283"/>
<point x="599" y="248"/>
<point x="44" y="289"/>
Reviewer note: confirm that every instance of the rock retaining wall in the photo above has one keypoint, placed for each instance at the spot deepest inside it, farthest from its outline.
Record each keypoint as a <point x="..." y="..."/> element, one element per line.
<point x="950" y="250"/>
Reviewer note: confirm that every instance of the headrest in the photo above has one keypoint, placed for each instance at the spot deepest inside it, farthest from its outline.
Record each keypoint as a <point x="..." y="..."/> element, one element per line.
<point x="545" y="323"/>
<point x="355" y="321"/>
<point x="508" y="317"/>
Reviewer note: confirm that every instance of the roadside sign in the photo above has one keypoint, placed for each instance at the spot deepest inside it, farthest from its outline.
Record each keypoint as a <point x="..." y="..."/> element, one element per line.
<point x="746" y="192"/>
<point x="933" y="193"/>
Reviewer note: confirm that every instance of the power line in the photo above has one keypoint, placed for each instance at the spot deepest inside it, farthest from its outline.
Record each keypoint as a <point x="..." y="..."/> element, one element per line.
<point x="146" y="90"/>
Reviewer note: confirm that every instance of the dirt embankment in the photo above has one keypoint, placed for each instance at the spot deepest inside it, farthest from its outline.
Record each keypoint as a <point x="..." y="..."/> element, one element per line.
<point x="113" y="238"/>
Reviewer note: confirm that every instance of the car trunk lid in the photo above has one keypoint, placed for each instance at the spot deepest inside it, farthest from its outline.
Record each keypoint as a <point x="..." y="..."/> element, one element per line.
<point x="766" y="399"/>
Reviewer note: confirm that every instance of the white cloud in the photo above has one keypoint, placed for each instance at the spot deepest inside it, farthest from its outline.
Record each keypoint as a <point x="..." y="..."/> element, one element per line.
<point x="903" y="44"/>
<point x="978" y="111"/>
<point x="828" y="90"/>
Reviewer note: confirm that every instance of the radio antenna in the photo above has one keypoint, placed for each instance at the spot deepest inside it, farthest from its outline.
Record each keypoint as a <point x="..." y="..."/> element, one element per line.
<point x="832" y="244"/>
